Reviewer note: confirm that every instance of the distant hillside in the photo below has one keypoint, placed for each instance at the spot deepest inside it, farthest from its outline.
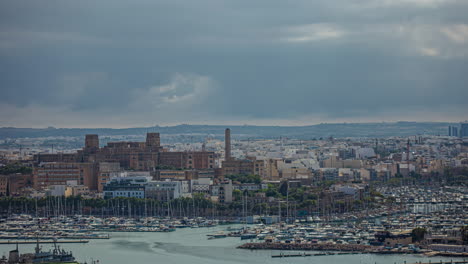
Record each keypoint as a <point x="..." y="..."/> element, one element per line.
<point x="300" y="132"/>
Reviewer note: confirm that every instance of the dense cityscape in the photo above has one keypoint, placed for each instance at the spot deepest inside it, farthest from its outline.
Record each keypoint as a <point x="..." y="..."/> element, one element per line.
<point x="234" y="132"/>
<point x="388" y="195"/>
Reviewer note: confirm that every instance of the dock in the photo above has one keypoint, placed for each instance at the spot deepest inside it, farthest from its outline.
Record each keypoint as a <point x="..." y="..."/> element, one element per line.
<point x="291" y="255"/>
<point x="444" y="262"/>
<point x="315" y="254"/>
<point x="23" y="242"/>
<point x="315" y="247"/>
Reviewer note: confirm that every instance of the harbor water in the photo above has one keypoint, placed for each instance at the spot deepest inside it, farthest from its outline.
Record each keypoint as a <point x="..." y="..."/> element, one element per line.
<point x="190" y="245"/>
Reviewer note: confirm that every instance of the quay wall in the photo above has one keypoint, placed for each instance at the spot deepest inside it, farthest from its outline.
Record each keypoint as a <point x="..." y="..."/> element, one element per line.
<point x="325" y="246"/>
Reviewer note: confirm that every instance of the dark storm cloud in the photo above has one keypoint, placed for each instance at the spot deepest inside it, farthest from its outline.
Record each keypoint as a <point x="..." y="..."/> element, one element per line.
<point x="121" y="63"/>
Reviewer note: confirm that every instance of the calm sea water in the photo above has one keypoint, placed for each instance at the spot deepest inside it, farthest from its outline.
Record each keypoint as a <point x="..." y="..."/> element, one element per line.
<point x="192" y="246"/>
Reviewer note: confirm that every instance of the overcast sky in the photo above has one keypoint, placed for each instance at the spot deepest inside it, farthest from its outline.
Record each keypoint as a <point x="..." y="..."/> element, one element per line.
<point x="116" y="63"/>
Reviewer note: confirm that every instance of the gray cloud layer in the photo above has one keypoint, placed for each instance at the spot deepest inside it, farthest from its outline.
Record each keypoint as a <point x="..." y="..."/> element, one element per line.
<point x="127" y="63"/>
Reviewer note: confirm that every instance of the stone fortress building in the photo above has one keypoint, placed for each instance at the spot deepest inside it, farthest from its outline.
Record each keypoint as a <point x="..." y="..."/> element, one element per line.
<point x="84" y="165"/>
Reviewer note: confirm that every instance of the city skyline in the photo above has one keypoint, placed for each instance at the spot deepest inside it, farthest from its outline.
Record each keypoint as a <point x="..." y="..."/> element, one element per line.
<point x="233" y="131"/>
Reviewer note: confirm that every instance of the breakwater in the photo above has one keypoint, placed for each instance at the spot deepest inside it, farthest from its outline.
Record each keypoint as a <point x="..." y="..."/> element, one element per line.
<point x="311" y="246"/>
<point x="354" y="248"/>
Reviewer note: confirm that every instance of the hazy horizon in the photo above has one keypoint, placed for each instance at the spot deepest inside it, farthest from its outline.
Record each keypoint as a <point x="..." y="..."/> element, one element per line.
<point x="240" y="124"/>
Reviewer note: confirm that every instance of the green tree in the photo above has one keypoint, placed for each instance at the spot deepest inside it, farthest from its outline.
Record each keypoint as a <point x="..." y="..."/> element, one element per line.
<point x="244" y="178"/>
<point x="283" y="189"/>
<point x="13" y="168"/>
<point x="237" y="194"/>
<point x="464" y="234"/>
<point x="418" y="233"/>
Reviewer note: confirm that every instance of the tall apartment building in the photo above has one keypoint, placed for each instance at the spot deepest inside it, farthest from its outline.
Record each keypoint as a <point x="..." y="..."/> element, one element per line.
<point x="463" y="129"/>
<point x="4" y="188"/>
<point x="106" y="170"/>
<point x="271" y="171"/>
<point x="58" y="173"/>
<point x="225" y="192"/>
<point x="453" y="131"/>
<point x="11" y="184"/>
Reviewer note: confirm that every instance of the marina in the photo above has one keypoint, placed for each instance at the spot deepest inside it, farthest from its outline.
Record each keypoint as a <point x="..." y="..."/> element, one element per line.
<point x="239" y="218"/>
<point x="191" y="245"/>
<point x="383" y="231"/>
<point x="234" y="132"/>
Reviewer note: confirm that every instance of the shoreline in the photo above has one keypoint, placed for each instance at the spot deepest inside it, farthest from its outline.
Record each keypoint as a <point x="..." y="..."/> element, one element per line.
<point x="351" y="248"/>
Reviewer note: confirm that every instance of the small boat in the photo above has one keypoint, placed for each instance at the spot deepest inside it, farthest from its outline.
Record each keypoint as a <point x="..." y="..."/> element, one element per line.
<point x="248" y="236"/>
<point x="217" y="235"/>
